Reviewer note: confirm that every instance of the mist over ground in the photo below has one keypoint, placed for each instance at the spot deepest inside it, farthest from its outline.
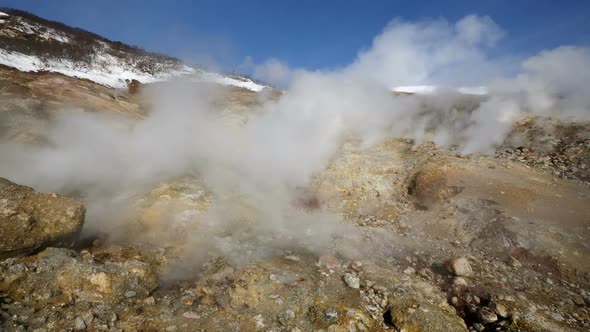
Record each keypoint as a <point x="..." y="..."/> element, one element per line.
<point x="262" y="165"/>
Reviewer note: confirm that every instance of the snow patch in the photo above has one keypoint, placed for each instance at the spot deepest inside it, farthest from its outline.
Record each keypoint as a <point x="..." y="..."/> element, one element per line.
<point x="110" y="71"/>
<point x="39" y="30"/>
<point x="417" y="89"/>
<point x="19" y="61"/>
<point x="107" y="71"/>
<point x="224" y="80"/>
<point x="105" y="68"/>
<point x="473" y="90"/>
<point x="432" y="89"/>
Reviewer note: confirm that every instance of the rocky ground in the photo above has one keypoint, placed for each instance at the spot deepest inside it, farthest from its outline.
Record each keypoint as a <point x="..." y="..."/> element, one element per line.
<point x="449" y="242"/>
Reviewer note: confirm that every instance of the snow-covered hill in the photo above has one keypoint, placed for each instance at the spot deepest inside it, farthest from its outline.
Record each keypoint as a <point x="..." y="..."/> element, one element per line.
<point x="432" y="89"/>
<point x="29" y="43"/>
<point x="3" y="17"/>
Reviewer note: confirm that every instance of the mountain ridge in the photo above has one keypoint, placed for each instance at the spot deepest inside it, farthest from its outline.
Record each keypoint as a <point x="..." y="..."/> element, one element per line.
<point x="31" y="43"/>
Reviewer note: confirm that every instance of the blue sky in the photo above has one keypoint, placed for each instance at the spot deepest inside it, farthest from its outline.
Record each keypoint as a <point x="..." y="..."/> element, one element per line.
<point x="303" y="33"/>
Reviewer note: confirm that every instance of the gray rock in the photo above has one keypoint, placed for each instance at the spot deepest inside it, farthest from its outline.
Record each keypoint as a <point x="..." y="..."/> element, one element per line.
<point x="459" y="282"/>
<point x="149" y="301"/>
<point x="329" y="261"/>
<point x="499" y="309"/>
<point x="79" y="324"/>
<point x="459" y="266"/>
<point x="331" y="315"/>
<point x="287" y="317"/>
<point x="130" y="294"/>
<point x="352" y="281"/>
<point x="514" y="262"/>
<point x="88" y="317"/>
<point x="487" y="316"/>
<point x="191" y="315"/>
<point x="579" y="301"/>
<point x="478" y="327"/>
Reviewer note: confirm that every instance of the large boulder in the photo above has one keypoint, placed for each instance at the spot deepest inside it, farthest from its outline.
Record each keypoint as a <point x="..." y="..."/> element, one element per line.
<point x="30" y="220"/>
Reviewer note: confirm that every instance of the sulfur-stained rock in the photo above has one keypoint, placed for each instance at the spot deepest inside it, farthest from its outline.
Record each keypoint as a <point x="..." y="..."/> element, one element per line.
<point x="61" y="276"/>
<point x="372" y="176"/>
<point x="30" y="220"/>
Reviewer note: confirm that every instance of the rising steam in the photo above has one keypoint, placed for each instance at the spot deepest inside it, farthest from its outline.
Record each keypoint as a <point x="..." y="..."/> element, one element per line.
<point x="259" y="166"/>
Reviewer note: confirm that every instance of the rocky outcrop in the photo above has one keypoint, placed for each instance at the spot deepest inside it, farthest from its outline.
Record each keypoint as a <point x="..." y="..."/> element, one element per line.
<point x="61" y="276"/>
<point x="560" y="148"/>
<point x="30" y="220"/>
<point x="373" y="176"/>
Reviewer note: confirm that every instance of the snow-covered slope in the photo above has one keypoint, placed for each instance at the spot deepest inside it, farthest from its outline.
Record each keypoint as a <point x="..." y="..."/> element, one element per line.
<point x="105" y="69"/>
<point x="242" y="82"/>
<point x="3" y="17"/>
<point x="431" y="89"/>
<point x="31" y="44"/>
<point x="108" y="70"/>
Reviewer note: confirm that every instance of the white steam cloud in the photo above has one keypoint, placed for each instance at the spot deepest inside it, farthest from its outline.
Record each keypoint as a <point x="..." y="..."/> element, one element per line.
<point x="261" y="165"/>
<point x="554" y="83"/>
<point x="429" y="52"/>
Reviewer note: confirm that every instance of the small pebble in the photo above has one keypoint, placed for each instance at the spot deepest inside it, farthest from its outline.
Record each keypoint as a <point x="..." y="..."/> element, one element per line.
<point x="352" y="281"/>
<point x="149" y="301"/>
<point x="191" y="315"/>
<point x="514" y="262"/>
<point x="459" y="282"/>
<point x="499" y="309"/>
<point x="487" y="316"/>
<point x="329" y="261"/>
<point x="130" y="294"/>
<point x="459" y="266"/>
<point x="79" y="324"/>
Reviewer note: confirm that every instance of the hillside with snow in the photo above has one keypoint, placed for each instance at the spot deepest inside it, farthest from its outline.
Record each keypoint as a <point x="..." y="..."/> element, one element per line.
<point x="432" y="89"/>
<point x="32" y="44"/>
